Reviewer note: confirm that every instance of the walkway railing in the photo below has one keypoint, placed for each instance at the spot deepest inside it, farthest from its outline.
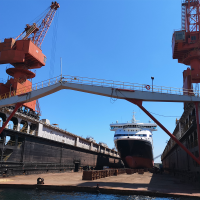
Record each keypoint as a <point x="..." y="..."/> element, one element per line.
<point x="102" y="83"/>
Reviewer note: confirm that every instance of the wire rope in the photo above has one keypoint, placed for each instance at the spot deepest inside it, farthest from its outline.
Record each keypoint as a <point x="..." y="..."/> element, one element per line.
<point x="152" y="112"/>
<point x="53" y="47"/>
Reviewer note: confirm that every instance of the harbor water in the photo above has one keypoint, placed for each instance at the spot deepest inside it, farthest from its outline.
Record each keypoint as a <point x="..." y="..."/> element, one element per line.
<point x="28" y="194"/>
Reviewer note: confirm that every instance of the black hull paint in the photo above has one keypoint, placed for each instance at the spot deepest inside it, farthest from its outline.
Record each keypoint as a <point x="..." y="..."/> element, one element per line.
<point x="134" y="148"/>
<point x="31" y="154"/>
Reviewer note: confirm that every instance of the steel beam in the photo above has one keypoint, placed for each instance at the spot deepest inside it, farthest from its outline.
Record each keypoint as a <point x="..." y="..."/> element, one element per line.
<point x="139" y="104"/>
<point x="98" y="90"/>
<point x="11" y="115"/>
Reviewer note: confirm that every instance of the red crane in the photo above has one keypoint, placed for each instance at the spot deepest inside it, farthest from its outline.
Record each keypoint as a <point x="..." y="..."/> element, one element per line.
<point x="186" y="44"/>
<point x="24" y="53"/>
<point x="186" y="48"/>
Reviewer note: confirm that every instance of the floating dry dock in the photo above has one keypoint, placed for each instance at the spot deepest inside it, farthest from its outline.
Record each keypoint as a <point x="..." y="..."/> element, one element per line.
<point x="140" y="184"/>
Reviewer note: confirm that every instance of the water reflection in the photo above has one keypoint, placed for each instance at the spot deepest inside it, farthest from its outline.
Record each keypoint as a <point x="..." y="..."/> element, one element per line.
<point x="28" y="194"/>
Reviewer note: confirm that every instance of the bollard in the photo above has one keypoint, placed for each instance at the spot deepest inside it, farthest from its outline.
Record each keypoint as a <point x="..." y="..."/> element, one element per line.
<point x="40" y="181"/>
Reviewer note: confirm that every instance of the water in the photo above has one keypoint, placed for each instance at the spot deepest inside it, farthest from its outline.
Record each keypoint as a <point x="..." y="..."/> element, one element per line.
<point x="28" y="194"/>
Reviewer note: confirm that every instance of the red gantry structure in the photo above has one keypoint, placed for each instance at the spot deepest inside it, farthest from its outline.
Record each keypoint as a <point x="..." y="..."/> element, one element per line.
<point x="186" y="43"/>
<point x="24" y="53"/>
<point x="186" y="48"/>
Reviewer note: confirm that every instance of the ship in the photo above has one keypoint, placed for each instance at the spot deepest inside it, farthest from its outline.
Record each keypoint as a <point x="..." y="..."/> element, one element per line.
<point x="134" y="143"/>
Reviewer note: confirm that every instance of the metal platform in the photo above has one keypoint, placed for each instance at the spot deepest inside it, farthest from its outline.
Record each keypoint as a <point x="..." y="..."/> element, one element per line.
<point x="114" y="89"/>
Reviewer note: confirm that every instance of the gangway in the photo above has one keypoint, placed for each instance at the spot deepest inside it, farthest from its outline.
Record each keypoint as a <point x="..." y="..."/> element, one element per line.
<point x="134" y="93"/>
<point x="108" y="88"/>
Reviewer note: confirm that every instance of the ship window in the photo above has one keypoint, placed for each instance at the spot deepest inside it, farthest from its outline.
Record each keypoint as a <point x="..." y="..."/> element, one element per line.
<point x="150" y="136"/>
<point x="145" y="135"/>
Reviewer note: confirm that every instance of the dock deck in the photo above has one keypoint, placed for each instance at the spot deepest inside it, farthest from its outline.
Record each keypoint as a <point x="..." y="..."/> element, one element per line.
<point x="149" y="184"/>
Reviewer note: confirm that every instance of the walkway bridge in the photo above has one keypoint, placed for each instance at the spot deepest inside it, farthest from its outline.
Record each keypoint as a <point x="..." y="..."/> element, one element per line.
<point x="135" y="93"/>
<point x="108" y="88"/>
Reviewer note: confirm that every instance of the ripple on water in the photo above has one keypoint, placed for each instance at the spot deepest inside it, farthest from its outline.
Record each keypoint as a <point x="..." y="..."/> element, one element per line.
<point x="28" y="194"/>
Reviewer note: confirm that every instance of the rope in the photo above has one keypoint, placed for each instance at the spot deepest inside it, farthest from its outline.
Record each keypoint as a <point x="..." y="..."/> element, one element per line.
<point x="112" y="100"/>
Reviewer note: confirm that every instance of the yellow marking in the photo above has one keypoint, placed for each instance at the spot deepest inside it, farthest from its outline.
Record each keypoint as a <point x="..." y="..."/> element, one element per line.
<point x="5" y="180"/>
<point x="5" y="96"/>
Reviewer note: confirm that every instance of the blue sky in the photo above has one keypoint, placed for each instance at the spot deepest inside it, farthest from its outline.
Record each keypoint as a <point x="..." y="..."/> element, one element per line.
<point x="121" y="40"/>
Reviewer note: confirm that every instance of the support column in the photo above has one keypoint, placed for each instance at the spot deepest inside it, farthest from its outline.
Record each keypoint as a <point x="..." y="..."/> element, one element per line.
<point x="18" y="126"/>
<point x="139" y="104"/>
<point x="91" y="146"/>
<point x="197" y="121"/>
<point x="99" y="149"/>
<point x="11" y="115"/>
<point x="77" y="142"/>
<point x="28" y="128"/>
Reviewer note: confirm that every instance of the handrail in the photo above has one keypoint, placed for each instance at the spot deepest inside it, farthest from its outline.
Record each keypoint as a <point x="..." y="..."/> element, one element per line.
<point x="101" y="83"/>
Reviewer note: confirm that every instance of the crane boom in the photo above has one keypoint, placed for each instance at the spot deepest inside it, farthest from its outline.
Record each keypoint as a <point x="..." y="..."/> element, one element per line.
<point x="46" y="22"/>
<point x="40" y="32"/>
<point x="24" y="53"/>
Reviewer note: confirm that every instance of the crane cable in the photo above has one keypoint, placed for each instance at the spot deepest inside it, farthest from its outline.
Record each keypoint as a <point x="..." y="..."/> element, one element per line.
<point x="40" y="17"/>
<point x="149" y="111"/>
<point x="36" y="20"/>
<point x="53" y="47"/>
<point x="157" y="156"/>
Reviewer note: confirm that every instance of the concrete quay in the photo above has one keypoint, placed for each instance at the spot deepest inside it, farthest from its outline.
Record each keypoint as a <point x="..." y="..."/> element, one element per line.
<point x="147" y="184"/>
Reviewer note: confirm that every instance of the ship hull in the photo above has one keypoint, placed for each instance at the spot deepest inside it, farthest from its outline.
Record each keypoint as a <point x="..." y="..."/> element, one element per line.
<point x="135" y="153"/>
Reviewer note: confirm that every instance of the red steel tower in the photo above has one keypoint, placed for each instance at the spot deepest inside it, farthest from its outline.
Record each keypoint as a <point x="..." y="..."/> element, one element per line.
<point x="24" y="53"/>
<point x="186" y="44"/>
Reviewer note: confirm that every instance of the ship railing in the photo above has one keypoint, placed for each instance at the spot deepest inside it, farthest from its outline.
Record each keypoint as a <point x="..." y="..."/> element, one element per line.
<point x="101" y="83"/>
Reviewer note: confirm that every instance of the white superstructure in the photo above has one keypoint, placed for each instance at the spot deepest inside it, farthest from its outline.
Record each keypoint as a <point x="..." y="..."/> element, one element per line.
<point x="133" y="131"/>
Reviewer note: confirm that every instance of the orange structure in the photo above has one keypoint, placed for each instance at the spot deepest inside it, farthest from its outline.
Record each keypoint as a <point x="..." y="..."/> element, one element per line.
<point x="186" y="48"/>
<point x="186" y="44"/>
<point x="24" y="53"/>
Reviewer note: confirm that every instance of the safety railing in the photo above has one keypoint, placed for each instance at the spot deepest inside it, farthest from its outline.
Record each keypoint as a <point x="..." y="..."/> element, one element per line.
<point x="129" y="86"/>
<point x="101" y="83"/>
